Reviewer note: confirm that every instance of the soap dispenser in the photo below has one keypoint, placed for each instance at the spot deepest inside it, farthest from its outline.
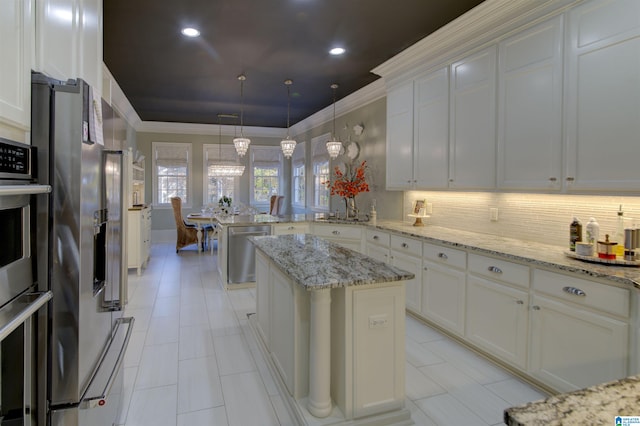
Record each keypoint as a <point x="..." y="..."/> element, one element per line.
<point x="373" y="215"/>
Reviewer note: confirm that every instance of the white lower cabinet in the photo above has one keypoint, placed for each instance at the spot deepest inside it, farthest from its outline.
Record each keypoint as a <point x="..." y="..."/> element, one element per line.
<point x="574" y="341"/>
<point x="138" y="237"/>
<point x="290" y="228"/>
<point x="346" y="235"/>
<point x="377" y="245"/>
<point x="443" y="286"/>
<point x="498" y="319"/>
<point x="406" y="253"/>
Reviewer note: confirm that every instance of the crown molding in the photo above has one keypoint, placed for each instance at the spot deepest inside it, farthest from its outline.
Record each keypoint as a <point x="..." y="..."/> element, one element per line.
<point x="208" y="129"/>
<point x="484" y="24"/>
<point x="115" y="97"/>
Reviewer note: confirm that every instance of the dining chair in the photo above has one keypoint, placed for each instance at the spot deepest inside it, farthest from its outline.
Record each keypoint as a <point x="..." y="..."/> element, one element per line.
<point x="275" y="205"/>
<point x="186" y="234"/>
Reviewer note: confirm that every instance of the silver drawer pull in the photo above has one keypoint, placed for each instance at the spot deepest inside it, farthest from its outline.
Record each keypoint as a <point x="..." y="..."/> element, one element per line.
<point x="443" y="256"/>
<point x="404" y="245"/>
<point x="375" y="237"/>
<point x="291" y="227"/>
<point x="535" y="307"/>
<point x="573" y="290"/>
<point x="494" y="269"/>
<point x="519" y="302"/>
<point x="336" y="232"/>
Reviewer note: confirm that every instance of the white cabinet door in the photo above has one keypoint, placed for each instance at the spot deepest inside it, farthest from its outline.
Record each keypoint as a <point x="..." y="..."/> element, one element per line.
<point x="377" y="252"/>
<point x="413" y="287"/>
<point x="15" y="62"/>
<point x="530" y="108"/>
<point x="431" y="130"/>
<point x="497" y="319"/>
<point x="69" y="40"/>
<point x="603" y="71"/>
<point x="400" y="137"/>
<point x="473" y="121"/>
<point x="262" y="296"/>
<point x="443" y="296"/>
<point x="572" y="348"/>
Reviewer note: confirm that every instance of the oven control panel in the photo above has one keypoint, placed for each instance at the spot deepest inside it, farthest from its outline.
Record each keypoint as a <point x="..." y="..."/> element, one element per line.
<point x="15" y="160"/>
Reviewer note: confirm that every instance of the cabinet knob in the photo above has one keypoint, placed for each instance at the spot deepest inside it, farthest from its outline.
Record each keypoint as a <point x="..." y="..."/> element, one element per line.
<point x="443" y="256"/>
<point x="425" y="268"/>
<point x="494" y="269"/>
<point x="336" y="232"/>
<point x="450" y="180"/>
<point x="404" y="245"/>
<point x="553" y="179"/>
<point x="570" y="178"/>
<point x="574" y="291"/>
<point x="409" y="181"/>
<point x="519" y="302"/>
<point x="535" y="307"/>
<point x="375" y="237"/>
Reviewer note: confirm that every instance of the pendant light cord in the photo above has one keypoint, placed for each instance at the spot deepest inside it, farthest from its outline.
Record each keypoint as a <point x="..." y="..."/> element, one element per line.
<point x="242" y="78"/>
<point x="334" y="87"/>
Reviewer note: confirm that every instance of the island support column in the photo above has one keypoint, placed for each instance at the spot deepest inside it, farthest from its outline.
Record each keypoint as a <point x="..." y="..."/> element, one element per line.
<point x="320" y="353"/>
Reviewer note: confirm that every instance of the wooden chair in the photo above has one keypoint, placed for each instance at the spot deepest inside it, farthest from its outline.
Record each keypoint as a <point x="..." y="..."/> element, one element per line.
<point x="275" y="205"/>
<point x="187" y="234"/>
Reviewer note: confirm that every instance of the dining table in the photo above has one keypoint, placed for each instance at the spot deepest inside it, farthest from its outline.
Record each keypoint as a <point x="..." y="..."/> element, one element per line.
<point x="200" y="220"/>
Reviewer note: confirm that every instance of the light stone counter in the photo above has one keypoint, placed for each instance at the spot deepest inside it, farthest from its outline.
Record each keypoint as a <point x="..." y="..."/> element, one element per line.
<point x="315" y="263"/>
<point x="596" y="405"/>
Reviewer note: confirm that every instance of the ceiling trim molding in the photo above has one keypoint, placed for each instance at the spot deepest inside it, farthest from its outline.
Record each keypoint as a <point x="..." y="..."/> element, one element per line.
<point x="370" y="93"/>
<point x="208" y="129"/>
<point x="481" y="25"/>
<point x="113" y="94"/>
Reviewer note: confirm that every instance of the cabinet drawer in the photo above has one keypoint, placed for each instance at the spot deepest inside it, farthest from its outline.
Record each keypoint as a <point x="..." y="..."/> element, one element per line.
<point x="445" y="255"/>
<point x="339" y="231"/>
<point x="290" y="228"/>
<point x="498" y="269"/>
<point x="606" y="298"/>
<point x="408" y="245"/>
<point x="378" y="237"/>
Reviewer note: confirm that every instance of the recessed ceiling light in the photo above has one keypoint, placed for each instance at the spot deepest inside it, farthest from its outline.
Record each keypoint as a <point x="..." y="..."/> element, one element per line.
<point x="337" y="51"/>
<point x="190" y="32"/>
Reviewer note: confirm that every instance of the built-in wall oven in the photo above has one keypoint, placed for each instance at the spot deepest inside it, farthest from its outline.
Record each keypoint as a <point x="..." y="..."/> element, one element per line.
<point x="22" y="300"/>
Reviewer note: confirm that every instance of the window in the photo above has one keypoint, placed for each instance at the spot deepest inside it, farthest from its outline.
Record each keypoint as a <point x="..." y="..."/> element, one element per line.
<point x="298" y="175"/>
<point x="320" y="165"/>
<point x="215" y="187"/>
<point x="171" y="173"/>
<point x="266" y="170"/>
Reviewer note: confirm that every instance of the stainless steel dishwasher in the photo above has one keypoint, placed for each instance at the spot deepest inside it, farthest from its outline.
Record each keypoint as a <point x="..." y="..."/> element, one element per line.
<point x="241" y="259"/>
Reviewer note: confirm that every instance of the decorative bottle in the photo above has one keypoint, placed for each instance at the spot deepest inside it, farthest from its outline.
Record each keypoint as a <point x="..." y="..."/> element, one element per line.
<point x="619" y="236"/>
<point x="373" y="215"/>
<point x="593" y="231"/>
<point x="575" y="233"/>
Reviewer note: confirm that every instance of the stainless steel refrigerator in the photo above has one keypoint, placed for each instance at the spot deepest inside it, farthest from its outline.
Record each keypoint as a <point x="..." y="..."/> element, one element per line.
<point x="88" y="334"/>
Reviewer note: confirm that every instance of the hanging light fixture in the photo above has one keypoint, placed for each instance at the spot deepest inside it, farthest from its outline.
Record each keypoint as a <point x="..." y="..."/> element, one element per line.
<point x="224" y="168"/>
<point x="334" y="146"/>
<point x="241" y="143"/>
<point x="288" y="145"/>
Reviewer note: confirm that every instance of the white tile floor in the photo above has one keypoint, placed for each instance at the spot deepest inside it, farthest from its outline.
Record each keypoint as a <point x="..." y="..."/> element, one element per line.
<point x="192" y="359"/>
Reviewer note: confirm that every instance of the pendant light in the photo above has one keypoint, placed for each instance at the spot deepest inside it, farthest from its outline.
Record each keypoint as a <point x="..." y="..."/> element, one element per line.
<point x="241" y="143"/>
<point x="288" y="145"/>
<point x="222" y="168"/>
<point x="334" y="146"/>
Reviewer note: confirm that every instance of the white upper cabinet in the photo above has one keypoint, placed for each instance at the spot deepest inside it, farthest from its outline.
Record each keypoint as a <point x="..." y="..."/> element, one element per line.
<point x="530" y="108"/>
<point x="15" y="65"/>
<point x="400" y="137"/>
<point x="472" y="147"/>
<point x="431" y="129"/>
<point x="69" y="40"/>
<point x="603" y="102"/>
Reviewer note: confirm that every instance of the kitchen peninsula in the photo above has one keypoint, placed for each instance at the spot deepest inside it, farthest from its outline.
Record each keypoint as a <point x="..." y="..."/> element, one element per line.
<point x="331" y="323"/>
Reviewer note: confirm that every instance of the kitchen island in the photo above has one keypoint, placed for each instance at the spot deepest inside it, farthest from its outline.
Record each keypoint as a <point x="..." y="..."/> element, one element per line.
<point x="330" y="322"/>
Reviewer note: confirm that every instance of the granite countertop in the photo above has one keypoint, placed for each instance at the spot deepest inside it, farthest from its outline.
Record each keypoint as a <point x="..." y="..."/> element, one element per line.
<point x="316" y="263"/>
<point x="607" y="401"/>
<point x="252" y="219"/>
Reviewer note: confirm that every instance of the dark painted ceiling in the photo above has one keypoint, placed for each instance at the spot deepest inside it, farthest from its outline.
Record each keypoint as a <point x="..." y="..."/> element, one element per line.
<point x="168" y="77"/>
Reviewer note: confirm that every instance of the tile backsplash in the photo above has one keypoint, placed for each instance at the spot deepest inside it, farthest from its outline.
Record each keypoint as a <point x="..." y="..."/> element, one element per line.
<point x="542" y="218"/>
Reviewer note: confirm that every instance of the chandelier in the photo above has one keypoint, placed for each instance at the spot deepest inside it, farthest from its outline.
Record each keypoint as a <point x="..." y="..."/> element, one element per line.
<point x="334" y="146"/>
<point x="288" y="145"/>
<point x="224" y="168"/>
<point x="241" y="143"/>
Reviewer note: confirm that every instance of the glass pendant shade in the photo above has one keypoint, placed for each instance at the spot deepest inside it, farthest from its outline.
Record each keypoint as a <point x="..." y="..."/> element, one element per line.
<point x="334" y="146"/>
<point x="288" y="145"/>
<point x="241" y="143"/>
<point x="226" y="170"/>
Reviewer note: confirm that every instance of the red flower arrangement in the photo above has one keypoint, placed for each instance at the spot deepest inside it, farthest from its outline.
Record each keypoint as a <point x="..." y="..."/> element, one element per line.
<point x="349" y="183"/>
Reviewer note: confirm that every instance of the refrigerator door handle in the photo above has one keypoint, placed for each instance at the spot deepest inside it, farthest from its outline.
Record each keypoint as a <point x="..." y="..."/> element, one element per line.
<point x="109" y="367"/>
